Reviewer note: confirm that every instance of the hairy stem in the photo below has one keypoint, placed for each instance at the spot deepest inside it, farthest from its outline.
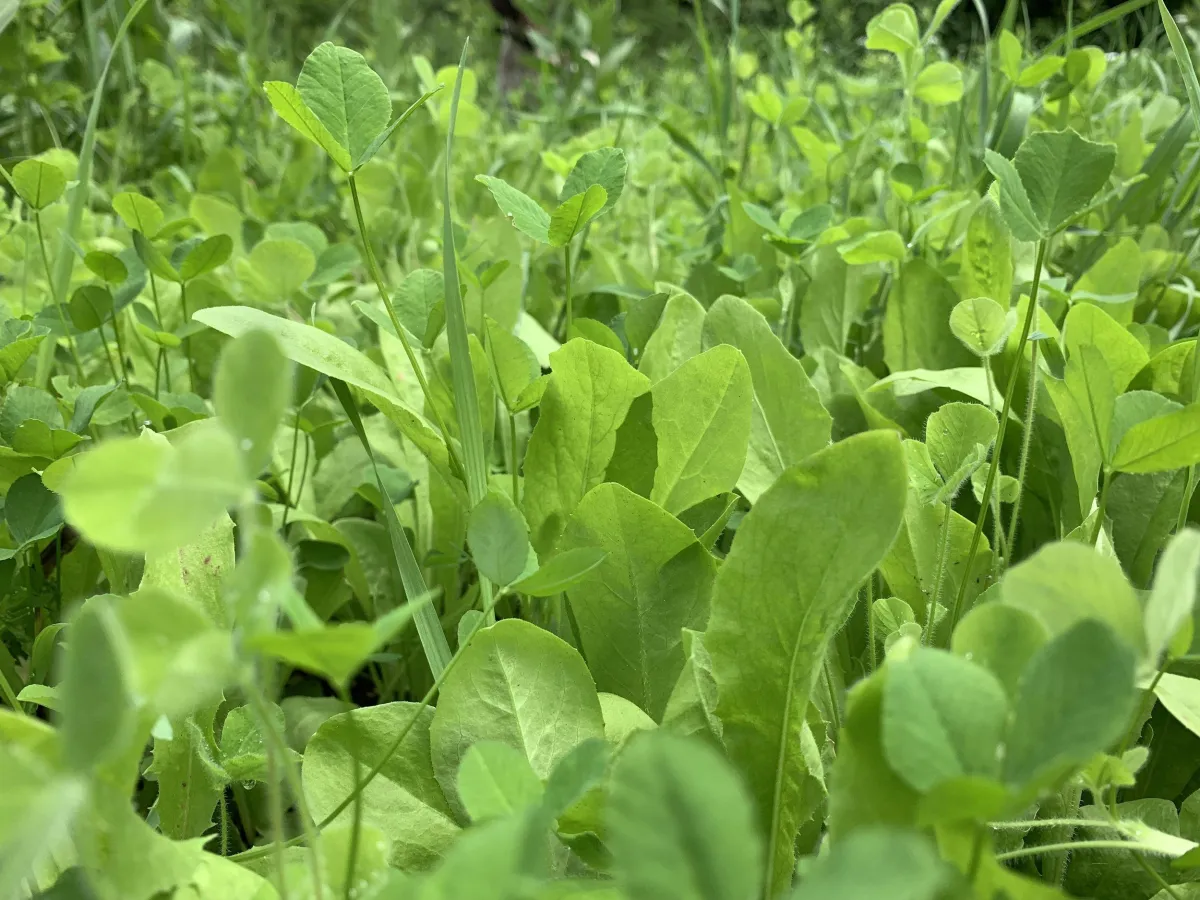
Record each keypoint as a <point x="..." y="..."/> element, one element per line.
<point x="1026" y="442"/>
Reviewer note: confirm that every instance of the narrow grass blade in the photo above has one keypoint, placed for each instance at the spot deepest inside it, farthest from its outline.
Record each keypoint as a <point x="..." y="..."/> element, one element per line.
<point x="429" y="626"/>
<point x="1184" y="57"/>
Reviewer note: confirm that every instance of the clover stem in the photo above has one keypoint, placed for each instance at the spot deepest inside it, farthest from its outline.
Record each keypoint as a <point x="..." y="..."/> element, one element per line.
<point x="570" y="311"/>
<point x="120" y="347"/>
<point x="159" y="366"/>
<point x="872" y="652"/>
<point x="943" y="554"/>
<point x="377" y="276"/>
<point x="37" y="222"/>
<point x="187" y="341"/>
<point x="513" y="465"/>
<point x="356" y="826"/>
<point x="985" y="501"/>
<point x="1101" y="504"/>
<point x="1026" y="442"/>
<point x="999" y="547"/>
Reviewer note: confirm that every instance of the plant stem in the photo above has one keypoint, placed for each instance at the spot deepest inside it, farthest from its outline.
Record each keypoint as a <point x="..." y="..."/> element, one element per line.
<point x="356" y="826"/>
<point x="872" y="653"/>
<point x="120" y="346"/>
<point x="1068" y="846"/>
<point x="1026" y="442"/>
<point x="159" y="361"/>
<point x="999" y="547"/>
<point x="943" y="554"/>
<point x="275" y="799"/>
<point x="377" y="276"/>
<point x="1103" y="502"/>
<point x="995" y="464"/>
<point x="187" y="341"/>
<point x="37" y="222"/>
<point x="513" y="464"/>
<point x="10" y="696"/>
<point x="569" y="299"/>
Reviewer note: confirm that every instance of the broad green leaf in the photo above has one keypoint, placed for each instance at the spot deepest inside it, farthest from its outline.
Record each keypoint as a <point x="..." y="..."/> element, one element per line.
<point x="526" y="215"/>
<point x="189" y="785"/>
<point x="31" y="511"/>
<point x="346" y="96"/>
<point x="836" y="299"/>
<point x="873" y="247"/>
<point x="943" y="718"/>
<point x="1113" y="281"/>
<point x="675" y="340"/>
<point x="1124" y="355"/>
<point x="404" y="800"/>
<point x="338" y="650"/>
<point x="244" y="746"/>
<point x="654" y="581"/>
<point x="605" y="167"/>
<point x="895" y="29"/>
<point x="787" y="421"/>
<point x="97" y="711"/>
<point x="836" y="514"/>
<point x="987" y="256"/>
<point x="938" y="84"/>
<point x="702" y="416"/>
<point x="290" y="106"/>
<point x="209" y="254"/>
<point x="1074" y="699"/>
<point x="38" y="183"/>
<point x="958" y="436"/>
<point x="143" y="495"/>
<point x="1170" y="441"/>
<point x="681" y="824"/>
<point x="1181" y="697"/>
<point x="416" y="303"/>
<point x="1173" y="597"/>
<point x="875" y="863"/>
<point x="1010" y="53"/>
<point x="330" y="356"/>
<point x="520" y="685"/>
<point x="495" y="780"/>
<point x="1067" y="582"/>
<point x="560" y="572"/>
<point x="139" y="213"/>
<point x="1016" y="208"/>
<point x="982" y="325"/>
<point x="516" y="366"/>
<point x="251" y="391"/>
<point x="1040" y="70"/>
<point x="90" y="307"/>
<point x="590" y="391"/>
<point x="279" y="268"/>
<point x="498" y="538"/>
<point x="1059" y="173"/>
<point x="1002" y="639"/>
<point x="573" y="214"/>
<point x="623" y="719"/>
<point x="916" y="324"/>
<point x="198" y="571"/>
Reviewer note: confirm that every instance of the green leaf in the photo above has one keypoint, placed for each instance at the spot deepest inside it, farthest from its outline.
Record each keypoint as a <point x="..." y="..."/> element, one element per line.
<point x="31" y="510"/>
<point x="97" y="711"/>
<point x="346" y="96"/>
<point x="982" y="325"/>
<point x="1183" y="57"/>
<point x="382" y="138"/>
<point x="279" y="267"/>
<point x="560" y="572"/>
<point x="321" y="351"/>
<point x="1170" y="441"/>
<point x="1002" y="639"/>
<point x="1016" y="208"/>
<point x="873" y="247"/>
<point x="943" y="718"/>
<point x="875" y="863"/>
<point x="958" y="436"/>
<point x="573" y="214"/>
<point x="243" y="745"/>
<point x="1173" y="597"/>
<point x="787" y="423"/>
<point x="987" y="256"/>
<point x="655" y="580"/>
<point x="520" y="685"/>
<point x="339" y="650"/>
<point x="209" y="254"/>
<point x="416" y="303"/>
<point x="1124" y="355"/>
<point x="681" y="825"/>
<point x="1181" y="697"/>
<point x="675" y="338"/>
<point x="516" y="365"/>
<point x="90" y="307"/>
<point x="938" y="84"/>
<point x="836" y="514"/>
<point x="143" y="495"/>
<point x="498" y="538"/>
<point x="916" y="329"/>
<point x="106" y="266"/>
<point x="895" y="29"/>
<point x="290" y="106"/>
<point x="1075" y="699"/>
<point x="1009" y="53"/>
<point x="38" y="183"/>
<point x="403" y="801"/>
<point x="701" y="415"/>
<point x="139" y="213"/>
<point x="252" y="390"/>
<point x="494" y="781"/>
<point x="590" y="391"/>
<point x="524" y="212"/>
<point x="605" y="167"/>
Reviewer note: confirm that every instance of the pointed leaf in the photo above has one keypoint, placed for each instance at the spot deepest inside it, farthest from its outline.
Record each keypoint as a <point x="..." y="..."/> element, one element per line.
<point x="346" y="96"/>
<point x="573" y="214"/>
<point x="526" y="215"/>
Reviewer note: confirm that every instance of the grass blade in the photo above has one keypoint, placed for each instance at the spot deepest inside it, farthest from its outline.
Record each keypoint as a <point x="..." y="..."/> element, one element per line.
<point x="1184" y="57"/>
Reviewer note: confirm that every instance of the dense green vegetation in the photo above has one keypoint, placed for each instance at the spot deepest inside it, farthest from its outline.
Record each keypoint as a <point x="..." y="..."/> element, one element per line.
<point x="726" y="466"/>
